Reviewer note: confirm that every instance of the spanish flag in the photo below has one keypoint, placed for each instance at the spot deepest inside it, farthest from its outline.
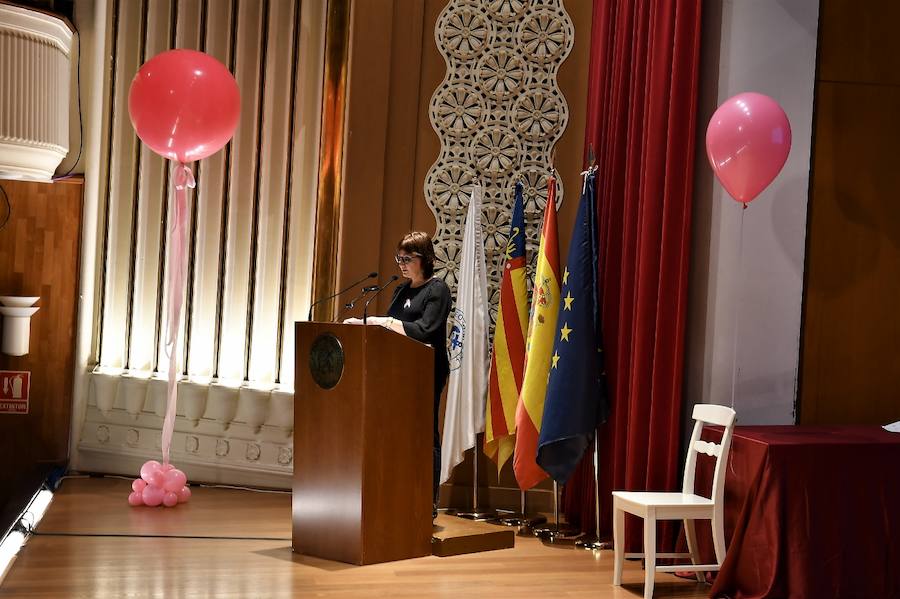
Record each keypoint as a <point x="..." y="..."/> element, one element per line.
<point x="538" y="349"/>
<point x="508" y="357"/>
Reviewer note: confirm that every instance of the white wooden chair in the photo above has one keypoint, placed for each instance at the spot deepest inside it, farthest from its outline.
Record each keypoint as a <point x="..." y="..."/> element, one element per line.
<point x="685" y="506"/>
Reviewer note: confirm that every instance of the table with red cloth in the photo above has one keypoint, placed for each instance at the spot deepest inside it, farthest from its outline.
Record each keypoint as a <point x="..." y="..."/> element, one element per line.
<point x="811" y="512"/>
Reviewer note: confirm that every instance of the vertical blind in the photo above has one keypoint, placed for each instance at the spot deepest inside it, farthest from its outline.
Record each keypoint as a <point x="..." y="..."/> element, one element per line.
<point x="253" y="211"/>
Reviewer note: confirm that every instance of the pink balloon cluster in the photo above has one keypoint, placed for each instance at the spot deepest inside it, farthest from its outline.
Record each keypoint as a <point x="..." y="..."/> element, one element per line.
<point x="159" y="484"/>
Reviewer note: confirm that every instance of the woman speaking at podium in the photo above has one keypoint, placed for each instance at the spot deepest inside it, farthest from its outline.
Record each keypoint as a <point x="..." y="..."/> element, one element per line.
<point x="419" y="309"/>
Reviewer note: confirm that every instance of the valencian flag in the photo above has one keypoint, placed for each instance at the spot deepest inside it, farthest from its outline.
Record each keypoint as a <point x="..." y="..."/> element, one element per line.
<point x="538" y="348"/>
<point x="469" y="360"/>
<point x="576" y="399"/>
<point x="508" y="358"/>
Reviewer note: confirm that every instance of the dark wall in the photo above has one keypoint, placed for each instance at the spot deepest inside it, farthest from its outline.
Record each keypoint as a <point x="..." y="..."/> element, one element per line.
<point x="60" y="8"/>
<point x="850" y="363"/>
<point x="39" y="249"/>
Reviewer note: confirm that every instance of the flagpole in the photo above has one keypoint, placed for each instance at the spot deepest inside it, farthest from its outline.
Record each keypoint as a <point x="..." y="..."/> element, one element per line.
<point x="526" y="524"/>
<point x="521" y="520"/>
<point x="595" y="542"/>
<point x="476" y="514"/>
<point x="556" y="533"/>
<point x="474" y="482"/>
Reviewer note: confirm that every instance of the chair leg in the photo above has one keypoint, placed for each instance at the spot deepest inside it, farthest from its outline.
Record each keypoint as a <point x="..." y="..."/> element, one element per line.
<point x="690" y="533"/>
<point x="718" y="534"/>
<point x="649" y="553"/>
<point x="618" y="544"/>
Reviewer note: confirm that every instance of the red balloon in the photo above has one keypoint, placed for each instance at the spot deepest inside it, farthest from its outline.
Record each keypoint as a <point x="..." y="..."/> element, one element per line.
<point x="747" y="142"/>
<point x="184" y="104"/>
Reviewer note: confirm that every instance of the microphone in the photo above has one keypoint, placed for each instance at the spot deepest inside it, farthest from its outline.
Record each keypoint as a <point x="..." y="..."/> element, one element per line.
<point x="369" y="301"/>
<point x="371" y="275"/>
<point x="349" y="305"/>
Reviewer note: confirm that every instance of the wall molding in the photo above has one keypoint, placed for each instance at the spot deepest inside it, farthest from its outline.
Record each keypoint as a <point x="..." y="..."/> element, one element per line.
<point x="222" y="434"/>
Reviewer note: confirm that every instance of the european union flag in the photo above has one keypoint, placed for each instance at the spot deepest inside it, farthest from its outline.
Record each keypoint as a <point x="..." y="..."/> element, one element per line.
<point x="576" y="400"/>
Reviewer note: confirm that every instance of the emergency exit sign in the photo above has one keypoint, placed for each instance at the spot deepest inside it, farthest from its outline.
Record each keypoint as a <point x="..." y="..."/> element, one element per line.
<point x="15" y="386"/>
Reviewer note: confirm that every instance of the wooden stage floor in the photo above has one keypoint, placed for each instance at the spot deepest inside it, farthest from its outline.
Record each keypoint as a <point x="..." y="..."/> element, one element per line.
<point x="230" y="543"/>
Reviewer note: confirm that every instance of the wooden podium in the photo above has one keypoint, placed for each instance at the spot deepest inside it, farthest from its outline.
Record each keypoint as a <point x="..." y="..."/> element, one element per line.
<point x="363" y="420"/>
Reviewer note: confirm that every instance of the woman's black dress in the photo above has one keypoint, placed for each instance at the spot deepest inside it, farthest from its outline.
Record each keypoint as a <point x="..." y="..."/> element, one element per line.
<point x="424" y="311"/>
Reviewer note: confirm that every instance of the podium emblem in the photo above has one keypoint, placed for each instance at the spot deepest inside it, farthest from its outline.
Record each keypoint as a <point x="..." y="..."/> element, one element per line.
<point x="326" y="360"/>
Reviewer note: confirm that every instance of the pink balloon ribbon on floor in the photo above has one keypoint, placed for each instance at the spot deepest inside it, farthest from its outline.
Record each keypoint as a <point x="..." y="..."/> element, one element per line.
<point x="185" y="106"/>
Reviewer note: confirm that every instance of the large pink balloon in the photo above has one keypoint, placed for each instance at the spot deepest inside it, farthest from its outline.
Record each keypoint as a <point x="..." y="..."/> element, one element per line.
<point x="184" y="104"/>
<point x="747" y="142"/>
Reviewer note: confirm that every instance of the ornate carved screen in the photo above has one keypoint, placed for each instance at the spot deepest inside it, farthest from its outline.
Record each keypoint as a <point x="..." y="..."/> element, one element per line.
<point x="498" y="113"/>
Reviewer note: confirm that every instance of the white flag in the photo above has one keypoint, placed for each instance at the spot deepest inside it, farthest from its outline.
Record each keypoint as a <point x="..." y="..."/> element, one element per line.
<point x="468" y="347"/>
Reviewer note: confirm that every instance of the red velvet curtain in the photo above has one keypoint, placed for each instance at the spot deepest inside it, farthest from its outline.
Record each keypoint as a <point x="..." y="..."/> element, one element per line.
<point x="641" y="123"/>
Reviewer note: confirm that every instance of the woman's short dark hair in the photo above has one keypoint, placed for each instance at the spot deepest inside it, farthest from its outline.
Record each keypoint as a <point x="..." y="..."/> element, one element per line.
<point x="419" y="243"/>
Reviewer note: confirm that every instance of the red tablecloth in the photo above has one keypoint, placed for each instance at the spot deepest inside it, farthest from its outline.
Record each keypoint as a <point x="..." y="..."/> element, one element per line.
<point x="810" y="513"/>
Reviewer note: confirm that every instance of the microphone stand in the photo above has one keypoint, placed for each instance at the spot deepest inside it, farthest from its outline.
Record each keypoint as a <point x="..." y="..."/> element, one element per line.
<point x="371" y="275"/>
<point x="369" y="301"/>
<point x="349" y="305"/>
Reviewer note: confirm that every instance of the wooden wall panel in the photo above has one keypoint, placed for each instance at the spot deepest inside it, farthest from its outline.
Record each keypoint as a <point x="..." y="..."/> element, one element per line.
<point x="858" y="41"/>
<point x="850" y="366"/>
<point x="39" y="249"/>
<point x="390" y="144"/>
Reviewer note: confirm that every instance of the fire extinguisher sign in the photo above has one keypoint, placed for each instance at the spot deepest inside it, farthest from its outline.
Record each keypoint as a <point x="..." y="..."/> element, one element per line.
<point x="15" y="387"/>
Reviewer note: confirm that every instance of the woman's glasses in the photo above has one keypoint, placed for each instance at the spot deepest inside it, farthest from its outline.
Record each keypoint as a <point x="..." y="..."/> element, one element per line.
<point x="405" y="259"/>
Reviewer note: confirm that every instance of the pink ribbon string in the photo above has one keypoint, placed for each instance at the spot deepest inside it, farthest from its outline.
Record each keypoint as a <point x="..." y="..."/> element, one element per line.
<point x="176" y="266"/>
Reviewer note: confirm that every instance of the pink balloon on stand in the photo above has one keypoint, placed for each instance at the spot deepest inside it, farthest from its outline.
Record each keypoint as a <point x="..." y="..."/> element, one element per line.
<point x="184" y="104"/>
<point x="747" y="142"/>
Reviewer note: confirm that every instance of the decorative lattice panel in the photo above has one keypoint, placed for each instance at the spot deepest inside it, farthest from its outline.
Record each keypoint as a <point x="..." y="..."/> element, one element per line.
<point x="498" y="113"/>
